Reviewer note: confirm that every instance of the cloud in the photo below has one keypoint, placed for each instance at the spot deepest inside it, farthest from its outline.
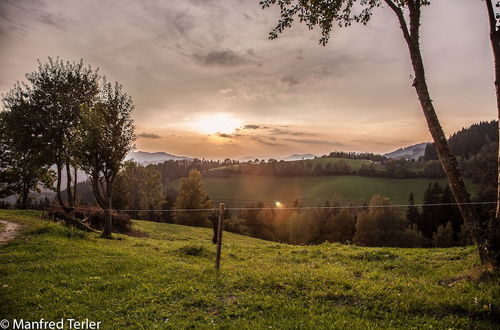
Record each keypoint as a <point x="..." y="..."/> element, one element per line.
<point x="149" y="136"/>
<point x="192" y="56"/>
<point x="281" y="131"/>
<point x="224" y="58"/>
<point x="271" y="142"/>
<point x="224" y="135"/>
<point x="290" y="80"/>
<point x="316" y="142"/>
<point x="252" y="127"/>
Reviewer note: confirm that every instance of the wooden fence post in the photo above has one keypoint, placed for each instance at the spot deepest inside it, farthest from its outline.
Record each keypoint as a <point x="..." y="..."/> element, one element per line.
<point x="219" y="235"/>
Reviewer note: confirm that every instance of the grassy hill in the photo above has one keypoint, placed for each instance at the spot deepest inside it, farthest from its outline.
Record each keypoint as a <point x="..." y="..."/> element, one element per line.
<point x="167" y="281"/>
<point x="314" y="190"/>
<point x="355" y="163"/>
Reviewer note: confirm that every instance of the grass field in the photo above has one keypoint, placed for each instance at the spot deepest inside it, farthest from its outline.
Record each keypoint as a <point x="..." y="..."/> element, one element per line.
<point x="168" y="281"/>
<point x="313" y="190"/>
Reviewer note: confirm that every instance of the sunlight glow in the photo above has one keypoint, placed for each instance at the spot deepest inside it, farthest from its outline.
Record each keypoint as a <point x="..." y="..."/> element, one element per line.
<point x="278" y="204"/>
<point x="218" y="123"/>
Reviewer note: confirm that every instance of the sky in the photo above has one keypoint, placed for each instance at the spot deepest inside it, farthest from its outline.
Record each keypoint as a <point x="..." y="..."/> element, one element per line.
<point x="207" y="82"/>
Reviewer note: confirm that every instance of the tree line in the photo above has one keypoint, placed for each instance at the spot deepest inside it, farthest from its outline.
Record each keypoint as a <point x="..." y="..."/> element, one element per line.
<point x="437" y="224"/>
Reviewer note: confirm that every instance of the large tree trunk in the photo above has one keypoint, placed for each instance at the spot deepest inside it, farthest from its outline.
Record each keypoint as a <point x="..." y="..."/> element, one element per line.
<point x="108" y="216"/>
<point x="75" y="181"/>
<point x="480" y="230"/>
<point x="58" y="188"/>
<point x="69" y="191"/>
<point x="24" y="197"/>
<point x="97" y="192"/>
<point x="448" y="160"/>
<point x="494" y="226"/>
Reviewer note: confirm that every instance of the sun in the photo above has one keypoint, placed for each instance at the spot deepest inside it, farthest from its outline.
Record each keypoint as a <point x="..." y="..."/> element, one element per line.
<point x="218" y="123"/>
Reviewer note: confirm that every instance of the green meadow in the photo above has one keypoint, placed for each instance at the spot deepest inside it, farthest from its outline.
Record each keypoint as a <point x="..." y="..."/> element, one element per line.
<point x="314" y="190"/>
<point x="167" y="281"/>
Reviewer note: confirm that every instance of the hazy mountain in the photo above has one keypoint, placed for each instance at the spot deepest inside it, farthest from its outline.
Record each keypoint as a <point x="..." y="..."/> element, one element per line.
<point x="411" y="152"/>
<point x="287" y="159"/>
<point x="246" y="159"/>
<point x="145" y="158"/>
<point x="299" y="157"/>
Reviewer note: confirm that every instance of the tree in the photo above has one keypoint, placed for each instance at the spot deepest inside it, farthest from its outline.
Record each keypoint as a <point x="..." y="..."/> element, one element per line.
<point x="443" y="237"/>
<point x="192" y="195"/>
<point x="344" y="13"/>
<point x="412" y="213"/>
<point x="493" y="225"/>
<point x="24" y="164"/>
<point x="431" y="213"/>
<point x="381" y="225"/>
<point x="340" y="227"/>
<point x="105" y="137"/>
<point x="152" y="195"/>
<point x="450" y="212"/>
<point x="57" y="90"/>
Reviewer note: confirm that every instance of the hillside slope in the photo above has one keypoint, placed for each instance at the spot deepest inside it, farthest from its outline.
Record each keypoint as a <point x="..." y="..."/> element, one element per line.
<point x="240" y="190"/>
<point x="168" y="281"/>
<point x="410" y="152"/>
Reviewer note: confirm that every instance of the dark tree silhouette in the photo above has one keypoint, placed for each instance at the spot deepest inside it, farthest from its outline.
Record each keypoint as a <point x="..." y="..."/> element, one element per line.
<point x="105" y="137"/>
<point x="57" y="90"/>
<point x="345" y="12"/>
<point x="412" y="213"/>
<point x="494" y="223"/>
<point x="24" y="164"/>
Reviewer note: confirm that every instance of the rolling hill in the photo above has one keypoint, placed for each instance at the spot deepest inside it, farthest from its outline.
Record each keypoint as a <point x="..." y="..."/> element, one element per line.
<point x="145" y="158"/>
<point x="412" y="152"/>
<point x="167" y="281"/>
<point x="313" y="190"/>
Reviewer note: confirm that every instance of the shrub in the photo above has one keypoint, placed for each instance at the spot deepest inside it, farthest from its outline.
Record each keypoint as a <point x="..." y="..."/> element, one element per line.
<point x="121" y="221"/>
<point x="381" y="226"/>
<point x="340" y="227"/>
<point x="443" y="237"/>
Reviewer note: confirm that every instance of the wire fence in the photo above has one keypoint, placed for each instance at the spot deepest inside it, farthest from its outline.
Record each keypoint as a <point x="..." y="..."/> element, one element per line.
<point x="221" y="212"/>
<point x="256" y="208"/>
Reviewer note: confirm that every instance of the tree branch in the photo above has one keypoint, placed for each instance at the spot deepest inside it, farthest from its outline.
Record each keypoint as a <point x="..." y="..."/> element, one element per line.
<point x="401" y="18"/>
<point x="414" y="21"/>
<point x="491" y="17"/>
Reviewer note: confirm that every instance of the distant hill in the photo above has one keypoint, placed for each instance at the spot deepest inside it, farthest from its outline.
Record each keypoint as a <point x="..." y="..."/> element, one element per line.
<point x="246" y="159"/>
<point x="299" y="157"/>
<point x="290" y="158"/>
<point x="411" y="152"/>
<point x="145" y="158"/>
<point x="469" y="140"/>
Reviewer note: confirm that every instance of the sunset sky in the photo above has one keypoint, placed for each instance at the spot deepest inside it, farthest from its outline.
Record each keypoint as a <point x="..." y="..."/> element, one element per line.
<point x="207" y="82"/>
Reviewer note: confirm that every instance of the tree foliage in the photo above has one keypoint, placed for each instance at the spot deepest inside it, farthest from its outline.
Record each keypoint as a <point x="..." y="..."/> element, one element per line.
<point x="46" y="112"/>
<point x="105" y="135"/>
<point x="139" y="187"/>
<point x="192" y="195"/>
<point x="24" y="163"/>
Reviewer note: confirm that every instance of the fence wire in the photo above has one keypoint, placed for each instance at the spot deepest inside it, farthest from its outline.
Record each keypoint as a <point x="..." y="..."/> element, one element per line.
<point x="277" y="208"/>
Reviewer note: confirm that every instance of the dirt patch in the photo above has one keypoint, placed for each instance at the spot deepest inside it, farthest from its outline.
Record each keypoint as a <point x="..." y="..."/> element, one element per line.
<point x="477" y="275"/>
<point x="9" y="232"/>
<point x="137" y="233"/>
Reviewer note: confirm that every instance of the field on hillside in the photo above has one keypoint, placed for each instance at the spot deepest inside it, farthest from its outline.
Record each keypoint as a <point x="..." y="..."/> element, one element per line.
<point x="355" y="163"/>
<point x="313" y="190"/>
<point x="167" y="281"/>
